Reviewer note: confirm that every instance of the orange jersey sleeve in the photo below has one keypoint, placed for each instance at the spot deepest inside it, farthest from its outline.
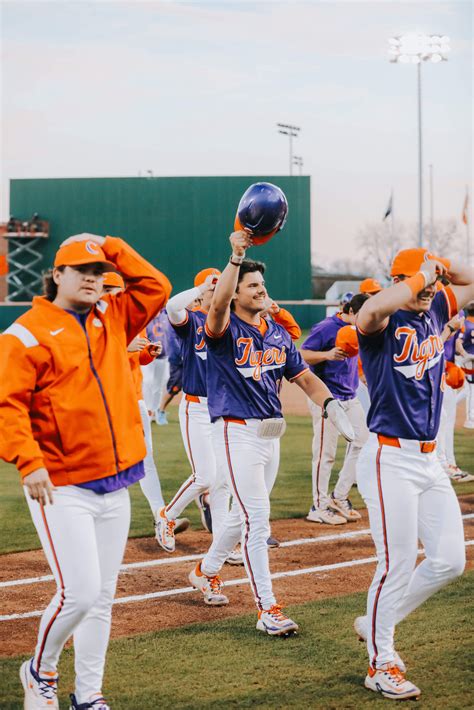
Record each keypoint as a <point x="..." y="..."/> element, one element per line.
<point x="284" y="318"/>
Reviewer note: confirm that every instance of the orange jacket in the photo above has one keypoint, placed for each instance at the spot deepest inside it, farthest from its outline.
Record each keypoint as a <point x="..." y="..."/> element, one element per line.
<point x="284" y="318"/>
<point x="142" y="357"/>
<point x="67" y="399"/>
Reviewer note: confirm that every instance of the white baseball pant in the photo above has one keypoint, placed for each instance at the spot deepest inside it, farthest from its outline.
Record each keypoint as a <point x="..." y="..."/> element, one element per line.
<point x="362" y="395"/>
<point x="250" y="465"/>
<point x="150" y="485"/>
<point x="470" y="400"/>
<point x="196" y="430"/>
<point x="408" y="497"/>
<point x="445" y="438"/>
<point x="155" y="377"/>
<point x="325" y="437"/>
<point x="83" y="535"/>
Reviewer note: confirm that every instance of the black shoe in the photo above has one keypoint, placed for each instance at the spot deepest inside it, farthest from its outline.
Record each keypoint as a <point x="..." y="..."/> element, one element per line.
<point x="205" y="510"/>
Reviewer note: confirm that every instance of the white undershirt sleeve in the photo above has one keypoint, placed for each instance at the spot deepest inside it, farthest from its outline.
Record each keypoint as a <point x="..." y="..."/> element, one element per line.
<point x="176" y="306"/>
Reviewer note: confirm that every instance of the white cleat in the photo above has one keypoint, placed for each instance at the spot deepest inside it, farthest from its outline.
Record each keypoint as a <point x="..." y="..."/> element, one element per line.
<point x="210" y="587"/>
<point x="235" y="557"/>
<point x="95" y="702"/>
<point x="325" y="515"/>
<point x="343" y="507"/>
<point x="360" y="627"/>
<point x="390" y="682"/>
<point x="458" y="475"/>
<point x="273" y="622"/>
<point x="40" y="691"/>
<point x="164" y="531"/>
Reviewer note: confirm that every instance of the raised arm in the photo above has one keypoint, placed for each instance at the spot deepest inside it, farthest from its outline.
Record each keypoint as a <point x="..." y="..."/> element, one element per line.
<point x="219" y="310"/>
<point x="374" y="314"/>
<point x="462" y="282"/>
<point x="314" y="357"/>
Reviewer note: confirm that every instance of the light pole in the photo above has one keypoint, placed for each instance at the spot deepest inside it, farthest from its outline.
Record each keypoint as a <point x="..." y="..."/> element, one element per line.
<point x="291" y="132"/>
<point x="415" y="49"/>
<point x="431" y="207"/>
<point x="298" y="160"/>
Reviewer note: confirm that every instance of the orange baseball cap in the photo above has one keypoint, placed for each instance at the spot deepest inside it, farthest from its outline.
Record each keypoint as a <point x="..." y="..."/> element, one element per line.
<point x="346" y="339"/>
<point x="370" y="286"/>
<point x="113" y="278"/>
<point x="85" y="252"/>
<point x="455" y="377"/>
<point x="408" y="261"/>
<point x="201" y="276"/>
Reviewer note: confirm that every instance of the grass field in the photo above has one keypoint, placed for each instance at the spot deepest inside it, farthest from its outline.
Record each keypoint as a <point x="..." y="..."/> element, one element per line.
<point x="291" y="496"/>
<point x="228" y="664"/>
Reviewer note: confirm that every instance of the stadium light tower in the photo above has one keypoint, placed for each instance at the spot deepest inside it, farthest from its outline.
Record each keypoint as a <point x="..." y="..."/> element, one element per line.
<point x="291" y="132"/>
<point x="298" y="160"/>
<point x="416" y="49"/>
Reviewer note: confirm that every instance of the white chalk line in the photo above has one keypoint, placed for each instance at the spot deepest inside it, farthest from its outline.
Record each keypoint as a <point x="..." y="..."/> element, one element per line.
<point x="192" y="558"/>
<point x="231" y="583"/>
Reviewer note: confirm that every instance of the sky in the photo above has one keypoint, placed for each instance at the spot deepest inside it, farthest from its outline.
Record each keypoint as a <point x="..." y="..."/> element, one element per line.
<point x="113" y="89"/>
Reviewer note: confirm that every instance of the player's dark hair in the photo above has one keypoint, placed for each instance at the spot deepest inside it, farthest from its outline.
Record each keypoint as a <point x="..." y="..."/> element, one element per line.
<point x="50" y="289"/>
<point x="355" y="304"/>
<point x="248" y="266"/>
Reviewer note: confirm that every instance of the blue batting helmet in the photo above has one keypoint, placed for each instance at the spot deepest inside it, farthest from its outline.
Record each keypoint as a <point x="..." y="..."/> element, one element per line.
<point x="262" y="209"/>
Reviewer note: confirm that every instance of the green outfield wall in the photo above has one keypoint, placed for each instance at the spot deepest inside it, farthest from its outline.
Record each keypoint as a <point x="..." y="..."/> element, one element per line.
<point x="180" y="224"/>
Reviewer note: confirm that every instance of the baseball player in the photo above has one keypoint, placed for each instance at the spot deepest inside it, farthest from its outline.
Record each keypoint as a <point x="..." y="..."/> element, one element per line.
<point x="140" y="354"/>
<point x="467" y="353"/>
<point x="407" y="493"/>
<point x="370" y="287"/>
<point x="339" y="372"/>
<point x="247" y="358"/>
<point x="193" y="412"/>
<point x="156" y="374"/>
<point x="71" y="425"/>
<point x="455" y="381"/>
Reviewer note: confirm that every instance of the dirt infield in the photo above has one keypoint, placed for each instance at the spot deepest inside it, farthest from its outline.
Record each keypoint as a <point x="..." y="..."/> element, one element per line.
<point x="167" y="574"/>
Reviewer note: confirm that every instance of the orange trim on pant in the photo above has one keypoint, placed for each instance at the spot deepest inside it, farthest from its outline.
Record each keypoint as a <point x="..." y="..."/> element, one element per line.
<point x="192" y="398"/>
<point x="63" y="595"/>
<point x="235" y="421"/>
<point x="247" y="521"/>
<point x="387" y="560"/>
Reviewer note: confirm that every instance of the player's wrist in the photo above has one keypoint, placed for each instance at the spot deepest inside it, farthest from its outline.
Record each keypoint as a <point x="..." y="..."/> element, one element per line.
<point x="236" y="259"/>
<point x="417" y="282"/>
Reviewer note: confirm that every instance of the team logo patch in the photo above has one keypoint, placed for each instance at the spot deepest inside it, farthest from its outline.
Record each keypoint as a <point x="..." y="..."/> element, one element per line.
<point x="420" y="356"/>
<point x="92" y="248"/>
<point x="258" y="361"/>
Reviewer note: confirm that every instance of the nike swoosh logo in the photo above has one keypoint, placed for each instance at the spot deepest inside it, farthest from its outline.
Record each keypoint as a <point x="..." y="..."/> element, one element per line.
<point x="277" y="336"/>
<point x="56" y="332"/>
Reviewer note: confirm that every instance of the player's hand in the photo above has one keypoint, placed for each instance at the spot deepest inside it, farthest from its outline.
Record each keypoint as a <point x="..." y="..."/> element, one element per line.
<point x="336" y="354"/>
<point x="209" y="283"/>
<point x="155" y="349"/>
<point x="432" y="270"/>
<point x="137" y="345"/>
<point x="336" y="414"/>
<point x="270" y="307"/>
<point x="39" y="486"/>
<point x="84" y="237"/>
<point x="240" y="241"/>
<point x="456" y="323"/>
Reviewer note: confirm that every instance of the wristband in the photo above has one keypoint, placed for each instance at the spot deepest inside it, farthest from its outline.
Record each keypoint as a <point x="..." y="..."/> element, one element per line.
<point x="416" y="283"/>
<point x="235" y="259"/>
<point x="450" y="327"/>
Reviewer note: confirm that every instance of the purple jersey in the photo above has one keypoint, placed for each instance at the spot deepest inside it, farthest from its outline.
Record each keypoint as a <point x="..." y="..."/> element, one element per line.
<point x="340" y="376"/>
<point x="245" y="368"/>
<point x="404" y="367"/>
<point x="175" y="346"/>
<point x="468" y="336"/>
<point x="157" y="330"/>
<point x="193" y="352"/>
<point x="450" y="347"/>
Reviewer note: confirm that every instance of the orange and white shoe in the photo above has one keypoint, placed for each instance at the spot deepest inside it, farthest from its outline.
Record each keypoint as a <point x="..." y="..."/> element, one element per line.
<point x="274" y="622"/>
<point x="344" y="507"/>
<point x="360" y="627"/>
<point x="40" y="691"/>
<point x="164" y="531"/>
<point x="210" y="587"/>
<point x="389" y="681"/>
